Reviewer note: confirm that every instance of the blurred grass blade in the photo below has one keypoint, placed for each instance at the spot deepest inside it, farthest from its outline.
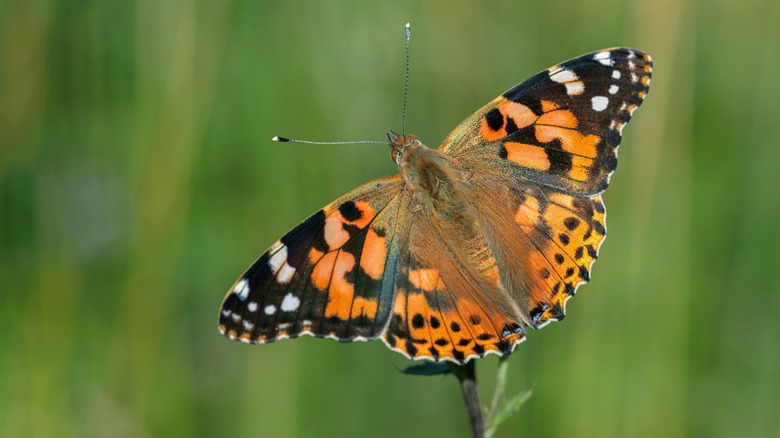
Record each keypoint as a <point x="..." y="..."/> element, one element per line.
<point x="511" y="407"/>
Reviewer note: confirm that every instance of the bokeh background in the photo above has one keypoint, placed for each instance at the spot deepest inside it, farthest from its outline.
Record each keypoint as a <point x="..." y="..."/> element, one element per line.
<point x="138" y="180"/>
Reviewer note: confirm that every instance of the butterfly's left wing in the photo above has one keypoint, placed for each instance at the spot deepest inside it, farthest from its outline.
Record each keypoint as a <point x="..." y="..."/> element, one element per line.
<point x="331" y="276"/>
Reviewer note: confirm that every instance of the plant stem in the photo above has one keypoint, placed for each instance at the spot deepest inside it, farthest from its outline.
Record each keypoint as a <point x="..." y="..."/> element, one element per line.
<point x="468" y="385"/>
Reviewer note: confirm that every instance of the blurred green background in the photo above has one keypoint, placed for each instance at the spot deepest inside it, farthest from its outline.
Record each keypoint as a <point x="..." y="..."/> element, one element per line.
<point x="138" y="180"/>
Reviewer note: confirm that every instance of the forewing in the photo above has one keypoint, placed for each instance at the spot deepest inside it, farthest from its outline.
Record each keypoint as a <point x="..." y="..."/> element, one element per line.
<point x="561" y="128"/>
<point x="332" y="276"/>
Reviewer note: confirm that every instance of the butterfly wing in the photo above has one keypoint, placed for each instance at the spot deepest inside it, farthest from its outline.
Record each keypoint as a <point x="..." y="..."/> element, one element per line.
<point x="540" y="155"/>
<point x="449" y="304"/>
<point x="545" y="240"/>
<point x="560" y="128"/>
<point x="332" y="276"/>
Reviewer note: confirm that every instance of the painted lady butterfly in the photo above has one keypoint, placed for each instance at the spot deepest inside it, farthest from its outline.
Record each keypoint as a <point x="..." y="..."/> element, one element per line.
<point x="451" y="258"/>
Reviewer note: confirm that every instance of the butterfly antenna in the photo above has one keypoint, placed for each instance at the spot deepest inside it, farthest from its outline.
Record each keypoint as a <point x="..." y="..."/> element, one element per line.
<point x="291" y="140"/>
<point x="408" y="31"/>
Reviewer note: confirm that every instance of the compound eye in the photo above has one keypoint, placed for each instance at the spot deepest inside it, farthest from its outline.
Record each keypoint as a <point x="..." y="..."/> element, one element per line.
<point x="395" y="155"/>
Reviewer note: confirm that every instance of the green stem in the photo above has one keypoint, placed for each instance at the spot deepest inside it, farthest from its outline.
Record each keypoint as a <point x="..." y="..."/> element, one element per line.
<point x="498" y="394"/>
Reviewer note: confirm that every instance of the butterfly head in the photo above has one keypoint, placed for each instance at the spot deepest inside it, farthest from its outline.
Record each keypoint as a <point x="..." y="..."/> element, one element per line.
<point x="403" y="146"/>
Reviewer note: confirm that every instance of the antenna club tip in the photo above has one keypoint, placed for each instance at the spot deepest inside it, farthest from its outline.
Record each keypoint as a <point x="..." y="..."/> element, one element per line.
<point x="408" y="26"/>
<point x="280" y="139"/>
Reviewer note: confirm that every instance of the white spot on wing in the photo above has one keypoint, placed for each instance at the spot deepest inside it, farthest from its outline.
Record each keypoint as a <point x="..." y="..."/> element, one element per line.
<point x="278" y="259"/>
<point x="574" y="86"/>
<point x="248" y="326"/>
<point x="290" y="303"/>
<point x="605" y="58"/>
<point x="269" y="309"/>
<point x="613" y="89"/>
<point x="285" y="274"/>
<point x="599" y="103"/>
<point x="616" y="74"/>
<point x="242" y="289"/>
<point x="563" y="75"/>
<point x="252" y="306"/>
<point x="278" y="264"/>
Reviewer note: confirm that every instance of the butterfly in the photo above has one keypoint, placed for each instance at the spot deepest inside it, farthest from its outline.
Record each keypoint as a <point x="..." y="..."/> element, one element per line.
<point x="470" y="243"/>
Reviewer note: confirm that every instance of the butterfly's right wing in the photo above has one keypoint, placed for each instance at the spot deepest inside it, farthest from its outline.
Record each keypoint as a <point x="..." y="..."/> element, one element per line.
<point x="331" y="276"/>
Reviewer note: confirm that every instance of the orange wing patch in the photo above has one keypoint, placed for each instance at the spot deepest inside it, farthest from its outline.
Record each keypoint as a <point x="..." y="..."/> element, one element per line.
<point x="531" y="156"/>
<point x="335" y="234"/>
<point x="556" y="117"/>
<point x="374" y="255"/>
<point x="323" y="269"/>
<point x="548" y="106"/>
<point x="341" y="292"/>
<point x="504" y="117"/>
<point x="571" y="140"/>
<point x="364" y="307"/>
<point x="520" y="114"/>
